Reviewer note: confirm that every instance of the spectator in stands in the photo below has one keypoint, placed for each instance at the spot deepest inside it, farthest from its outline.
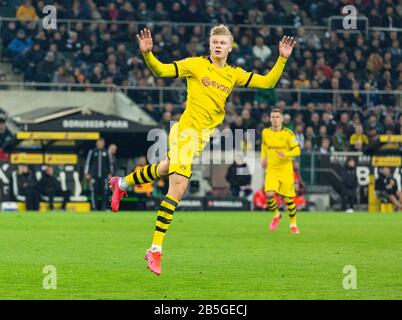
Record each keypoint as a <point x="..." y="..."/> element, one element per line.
<point x="98" y="170"/>
<point x="96" y="76"/>
<point x="295" y="17"/>
<point x="50" y="187"/>
<point x="315" y="122"/>
<point x="323" y="133"/>
<point x="143" y="14"/>
<point x="300" y="136"/>
<point x="260" y="50"/>
<point x="389" y="123"/>
<point x="271" y="17"/>
<point x="308" y="146"/>
<point x="387" y="189"/>
<point x="358" y="136"/>
<point x="177" y="12"/>
<point x="339" y="139"/>
<point x="61" y="76"/>
<point x="301" y="82"/>
<point x="328" y="122"/>
<point x="255" y="16"/>
<point x="27" y="187"/>
<point x="112" y="12"/>
<point x="247" y="120"/>
<point x="46" y="68"/>
<point x="159" y="13"/>
<point x="239" y="177"/>
<point x="350" y="185"/>
<point x="346" y="124"/>
<point x="325" y="146"/>
<point x="73" y="44"/>
<point x="20" y="44"/>
<point x="8" y="34"/>
<point x="26" y="11"/>
<point x="127" y="12"/>
<point x="165" y="121"/>
<point x="27" y="62"/>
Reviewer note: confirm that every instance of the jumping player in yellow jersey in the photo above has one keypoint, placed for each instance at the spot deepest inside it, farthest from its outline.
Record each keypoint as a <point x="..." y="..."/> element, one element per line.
<point x="278" y="146"/>
<point x="209" y="83"/>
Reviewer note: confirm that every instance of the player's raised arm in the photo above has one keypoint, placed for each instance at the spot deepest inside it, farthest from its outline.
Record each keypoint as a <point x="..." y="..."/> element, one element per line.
<point x="269" y="80"/>
<point x="158" y="68"/>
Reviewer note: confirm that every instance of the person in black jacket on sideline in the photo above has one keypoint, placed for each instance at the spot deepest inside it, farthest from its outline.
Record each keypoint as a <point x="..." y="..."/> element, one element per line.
<point x="98" y="170"/>
<point x="28" y="187"/>
<point x="239" y="178"/>
<point x="50" y="186"/>
<point x="350" y="184"/>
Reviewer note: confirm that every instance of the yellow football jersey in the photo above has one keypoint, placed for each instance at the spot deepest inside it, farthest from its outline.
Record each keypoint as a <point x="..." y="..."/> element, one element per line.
<point x="284" y="141"/>
<point x="208" y="88"/>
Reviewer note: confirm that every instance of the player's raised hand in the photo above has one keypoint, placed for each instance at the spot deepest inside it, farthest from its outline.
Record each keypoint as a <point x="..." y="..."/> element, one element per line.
<point x="145" y="40"/>
<point x="286" y="46"/>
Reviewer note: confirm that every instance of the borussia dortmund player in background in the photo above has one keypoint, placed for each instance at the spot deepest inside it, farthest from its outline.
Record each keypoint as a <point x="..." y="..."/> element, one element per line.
<point x="278" y="146"/>
<point x="210" y="81"/>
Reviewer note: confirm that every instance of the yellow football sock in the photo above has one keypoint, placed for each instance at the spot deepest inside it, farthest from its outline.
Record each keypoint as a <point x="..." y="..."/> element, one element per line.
<point x="272" y="206"/>
<point x="145" y="175"/>
<point x="165" y="216"/>
<point x="292" y="210"/>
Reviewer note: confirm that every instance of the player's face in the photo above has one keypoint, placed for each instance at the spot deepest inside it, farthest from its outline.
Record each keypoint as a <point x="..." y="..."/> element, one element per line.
<point x="220" y="46"/>
<point x="276" y="119"/>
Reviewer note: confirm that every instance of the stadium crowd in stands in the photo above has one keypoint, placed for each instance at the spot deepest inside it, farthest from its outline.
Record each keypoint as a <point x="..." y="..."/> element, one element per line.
<point x="97" y="52"/>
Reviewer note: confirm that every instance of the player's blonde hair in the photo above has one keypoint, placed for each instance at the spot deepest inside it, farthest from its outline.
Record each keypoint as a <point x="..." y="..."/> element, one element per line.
<point x="221" y="30"/>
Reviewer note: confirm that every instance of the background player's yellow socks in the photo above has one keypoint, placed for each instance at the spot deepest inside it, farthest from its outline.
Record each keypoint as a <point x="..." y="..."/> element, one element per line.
<point x="144" y="175"/>
<point x="272" y="206"/>
<point x="292" y="210"/>
<point x="165" y="216"/>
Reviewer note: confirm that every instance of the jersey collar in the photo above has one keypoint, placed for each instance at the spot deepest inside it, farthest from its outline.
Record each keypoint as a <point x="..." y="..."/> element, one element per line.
<point x="210" y="61"/>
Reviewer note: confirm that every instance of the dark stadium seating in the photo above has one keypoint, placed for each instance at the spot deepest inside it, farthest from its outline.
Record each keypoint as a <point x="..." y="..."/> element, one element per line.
<point x="107" y="53"/>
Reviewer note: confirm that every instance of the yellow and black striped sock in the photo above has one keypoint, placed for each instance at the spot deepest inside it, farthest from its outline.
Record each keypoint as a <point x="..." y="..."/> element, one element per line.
<point x="165" y="216"/>
<point x="292" y="210"/>
<point x="145" y="175"/>
<point x="272" y="206"/>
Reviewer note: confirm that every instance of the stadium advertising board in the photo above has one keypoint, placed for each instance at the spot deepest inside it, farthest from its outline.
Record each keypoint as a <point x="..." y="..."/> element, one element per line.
<point x="331" y="167"/>
<point x="204" y="204"/>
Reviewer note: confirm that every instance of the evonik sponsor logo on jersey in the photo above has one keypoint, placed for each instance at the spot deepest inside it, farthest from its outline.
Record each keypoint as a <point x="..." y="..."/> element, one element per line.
<point x="206" y="81"/>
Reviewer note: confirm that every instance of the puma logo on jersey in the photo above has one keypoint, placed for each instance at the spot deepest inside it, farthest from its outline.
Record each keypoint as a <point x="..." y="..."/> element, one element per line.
<point x="207" y="82"/>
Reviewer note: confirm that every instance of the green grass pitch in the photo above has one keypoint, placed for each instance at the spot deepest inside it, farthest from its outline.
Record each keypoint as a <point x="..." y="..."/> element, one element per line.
<point x="207" y="255"/>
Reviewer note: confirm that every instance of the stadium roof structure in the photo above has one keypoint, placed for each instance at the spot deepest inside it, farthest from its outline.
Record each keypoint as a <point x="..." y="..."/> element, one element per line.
<point x="17" y="103"/>
<point x="44" y="114"/>
<point x="76" y="119"/>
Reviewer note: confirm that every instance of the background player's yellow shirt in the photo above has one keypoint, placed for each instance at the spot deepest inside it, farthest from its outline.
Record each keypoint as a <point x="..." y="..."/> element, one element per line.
<point x="283" y="140"/>
<point x="208" y="88"/>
